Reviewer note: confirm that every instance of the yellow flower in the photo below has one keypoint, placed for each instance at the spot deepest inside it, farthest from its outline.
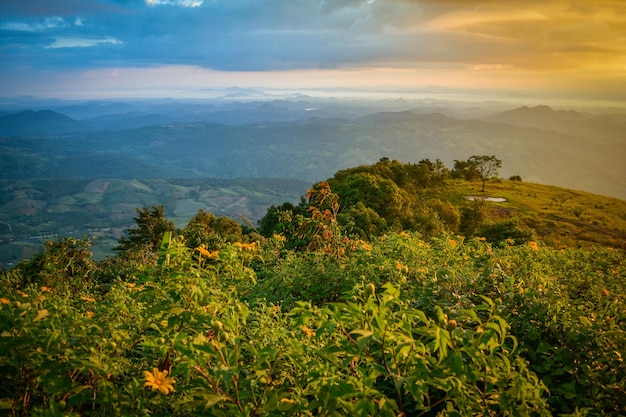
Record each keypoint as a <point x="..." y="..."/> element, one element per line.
<point x="157" y="380"/>
<point x="208" y="254"/>
<point x="4" y="301"/>
<point x="280" y="237"/>
<point x="365" y="245"/>
<point x="287" y="400"/>
<point x="89" y="299"/>
<point x="45" y="289"/>
<point x="533" y="245"/>
<point x="246" y="246"/>
<point x="309" y="333"/>
<point x="404" y="234"/>
<point x="510" y="240"/>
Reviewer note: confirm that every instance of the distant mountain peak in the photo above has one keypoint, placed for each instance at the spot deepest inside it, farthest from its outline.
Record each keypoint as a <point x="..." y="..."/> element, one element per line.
<point x="42" y="122"/>
<point x="266" y="106"/>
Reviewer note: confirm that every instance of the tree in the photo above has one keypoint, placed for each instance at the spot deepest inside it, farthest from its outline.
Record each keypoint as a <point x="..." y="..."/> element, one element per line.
<point x="151" y="226"/>
<point x="465" y="170"/>
<point x="279" y="219"/>
<point x="473" y="217"/>
<point x="486" y="166"/>
<point x="211" y="230"/>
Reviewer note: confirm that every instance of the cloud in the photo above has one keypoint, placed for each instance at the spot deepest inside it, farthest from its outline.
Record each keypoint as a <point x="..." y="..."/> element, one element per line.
<point x="70" y="42"/>
<point x="39" y="26"/>
<point x="183" y="3"/>
<point x="280" y="35"/>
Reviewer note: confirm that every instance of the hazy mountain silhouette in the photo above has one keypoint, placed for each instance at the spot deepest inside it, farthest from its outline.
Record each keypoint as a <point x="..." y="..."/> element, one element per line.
<point x="309" y="140"/>
<point x="43" y="122"/>
<point x="567" y="121"/>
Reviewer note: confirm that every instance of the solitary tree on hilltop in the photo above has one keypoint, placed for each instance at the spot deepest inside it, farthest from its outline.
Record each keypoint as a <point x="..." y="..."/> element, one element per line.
<point x="486" y="166"/>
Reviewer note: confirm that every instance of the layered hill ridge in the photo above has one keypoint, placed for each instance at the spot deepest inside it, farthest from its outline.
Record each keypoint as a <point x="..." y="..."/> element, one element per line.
<point x="291" y="139"/>
<point x="566" y="121"/>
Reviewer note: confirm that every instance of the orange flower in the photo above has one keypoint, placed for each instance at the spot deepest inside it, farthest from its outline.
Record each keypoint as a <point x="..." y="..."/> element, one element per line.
<point x="4" y="301"/>
<point x="208" y="254"/>
<point x="365" y="245"/>
<point x="309" y="333"/>
<point x="90" y="314"/>
<point x="453" y="243"/>
<point x="45" y="289"/>
<point x="533" y="245"/>
<point x="246" y="246"/>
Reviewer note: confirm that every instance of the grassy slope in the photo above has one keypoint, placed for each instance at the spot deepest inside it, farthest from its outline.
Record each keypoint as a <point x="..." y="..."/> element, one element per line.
<point x="560" y="216"/>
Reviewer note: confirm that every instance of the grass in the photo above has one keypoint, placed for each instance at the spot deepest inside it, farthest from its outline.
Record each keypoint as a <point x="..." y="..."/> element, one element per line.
<point x="561" y="217"/>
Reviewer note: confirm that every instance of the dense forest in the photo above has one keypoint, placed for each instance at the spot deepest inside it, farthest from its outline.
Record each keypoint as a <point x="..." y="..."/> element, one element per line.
<point x="378" y="294"/>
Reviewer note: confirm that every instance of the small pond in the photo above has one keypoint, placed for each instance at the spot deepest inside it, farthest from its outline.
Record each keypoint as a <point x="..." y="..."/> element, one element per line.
<point x="492" y="199"/>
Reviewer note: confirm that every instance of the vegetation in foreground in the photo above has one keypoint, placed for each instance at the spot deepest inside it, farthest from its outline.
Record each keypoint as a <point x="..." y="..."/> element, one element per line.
<point x="316" y="319"/>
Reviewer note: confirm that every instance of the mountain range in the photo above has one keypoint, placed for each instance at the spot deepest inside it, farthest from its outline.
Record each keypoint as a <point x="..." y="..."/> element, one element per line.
<point x="308" y="139"/>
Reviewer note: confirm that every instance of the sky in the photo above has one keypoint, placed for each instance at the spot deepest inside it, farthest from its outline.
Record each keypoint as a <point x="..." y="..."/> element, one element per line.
<point x="150" y="48"/>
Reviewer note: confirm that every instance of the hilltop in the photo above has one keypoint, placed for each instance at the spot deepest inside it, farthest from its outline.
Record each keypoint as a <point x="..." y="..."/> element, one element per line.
<point x="32" y="211"/>
<point x="390" y="293"/>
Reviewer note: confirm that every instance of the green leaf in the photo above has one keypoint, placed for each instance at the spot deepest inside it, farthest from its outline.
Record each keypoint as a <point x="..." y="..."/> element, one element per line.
<point x="40" y="315"/>
<point x="212" y="399"/>
<point x="364" y="337"/>
<point x="175" y="311"/>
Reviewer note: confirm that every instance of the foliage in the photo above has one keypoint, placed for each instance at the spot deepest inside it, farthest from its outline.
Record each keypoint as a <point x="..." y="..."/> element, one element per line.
<point x="481" y="167"/>
<point x="211" y="231"/>
<point x="473" y="217"/>
<point x="65" y="265"/>
<point x="506" y="232"/>
<point x="151" y="225"/>
<point x="376" y="199"/>
<point x="399" y="324"/>
<point x="285" y="220"/>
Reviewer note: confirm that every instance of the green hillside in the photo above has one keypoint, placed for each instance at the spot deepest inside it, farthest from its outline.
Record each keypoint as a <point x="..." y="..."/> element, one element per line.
<point x="35" y="210"/>
<point x="560" y="217"/>
<point x="32" y="211"/>
<point x="384" y="292"/>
